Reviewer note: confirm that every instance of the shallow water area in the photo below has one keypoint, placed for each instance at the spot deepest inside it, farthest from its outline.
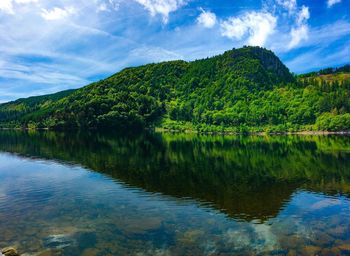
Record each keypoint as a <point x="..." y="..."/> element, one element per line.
<point x="174" y="194"/>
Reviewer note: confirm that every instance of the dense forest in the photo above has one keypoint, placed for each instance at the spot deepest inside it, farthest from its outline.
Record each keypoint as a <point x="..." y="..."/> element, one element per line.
<point x="246" y="89"/>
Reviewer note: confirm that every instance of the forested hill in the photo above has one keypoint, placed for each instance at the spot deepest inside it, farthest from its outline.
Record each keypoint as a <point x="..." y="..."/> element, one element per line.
<point x="329" y="75"/>
<point x="328" y="71"/>
<point x="247" y="89"/>
<point x="16" y="110"/>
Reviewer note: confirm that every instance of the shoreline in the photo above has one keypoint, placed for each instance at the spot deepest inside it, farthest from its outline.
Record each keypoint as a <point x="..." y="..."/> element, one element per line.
<point x="315" y="133"/>
<point x="258" y="133"/>
<point x="188" y="131"/>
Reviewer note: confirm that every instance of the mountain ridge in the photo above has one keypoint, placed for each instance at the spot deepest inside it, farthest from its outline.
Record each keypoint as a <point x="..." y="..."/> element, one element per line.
<point x="240" y="90"/>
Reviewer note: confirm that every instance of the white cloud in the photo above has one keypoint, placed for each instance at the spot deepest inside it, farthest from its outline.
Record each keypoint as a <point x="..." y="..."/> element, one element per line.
<point x="290" y="5"/>
<point x="39" y="74"/>
<point x="319" y="37"/>
<point x="26" y="1"/>
<point x="207" y="19"/>
<point x="57" y="13"/>
<point x="257" y="26"/>
<point x="301" y="31"/>
<point x="162" y="7"/>
<point x="330" y="3"/>
<point x="152" y="54"/>
<point x="102" y="7"/>
<point x="297" y="35"/>
<point x="319" y="58"/>
<point x="108" y="5"/>
<point x="6" y="6"/>
<point x="303" y="15"/>
<point x="44" y="57"/>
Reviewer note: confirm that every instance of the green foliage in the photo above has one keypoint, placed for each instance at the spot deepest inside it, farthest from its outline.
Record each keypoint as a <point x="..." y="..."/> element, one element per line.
<point x="333" y="122"/>
<point x="247" y="89"/>
<point x="327" y="71"/>
<point x="19" y="112"/>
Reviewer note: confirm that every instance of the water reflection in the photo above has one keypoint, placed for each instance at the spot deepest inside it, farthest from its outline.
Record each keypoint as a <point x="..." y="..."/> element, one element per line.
<point x="174" y="193"/>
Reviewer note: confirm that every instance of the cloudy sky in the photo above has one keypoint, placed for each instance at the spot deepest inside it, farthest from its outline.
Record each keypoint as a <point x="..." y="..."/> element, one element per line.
<point x="52" y="45"/>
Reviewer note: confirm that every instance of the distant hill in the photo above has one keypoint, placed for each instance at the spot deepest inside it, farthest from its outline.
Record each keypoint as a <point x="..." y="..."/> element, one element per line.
<point x="329" y="71"/>
<point x="329" y="75"/>
<point x="246" y="89"/>
<point x="17" y="110"/>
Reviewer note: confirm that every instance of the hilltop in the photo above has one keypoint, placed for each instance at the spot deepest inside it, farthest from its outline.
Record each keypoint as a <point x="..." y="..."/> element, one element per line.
<point x="246" y="89"/>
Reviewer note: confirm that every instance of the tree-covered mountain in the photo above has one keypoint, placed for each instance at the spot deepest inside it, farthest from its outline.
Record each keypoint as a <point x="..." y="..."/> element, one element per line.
<point x="240" y="90"/>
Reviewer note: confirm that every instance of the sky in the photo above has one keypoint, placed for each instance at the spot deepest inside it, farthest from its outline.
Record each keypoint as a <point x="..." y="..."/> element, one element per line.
<point x="52" y="45"/>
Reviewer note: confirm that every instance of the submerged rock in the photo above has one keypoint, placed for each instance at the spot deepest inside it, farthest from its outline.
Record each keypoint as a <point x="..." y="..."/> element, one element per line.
<point x="311" y="250"/>
<point x="141" y="225"/>
<point x="90" y="252"/>
<point x="9" y="251"/>
<point x="344" y="247"/>
<point x="58" y="241"/>
<point x="338" y="231"/>
<point x="331" y="251"/>
<point x="70" y="244"/>
<point x="191" y="236"/>
<point x="45" y="253"/>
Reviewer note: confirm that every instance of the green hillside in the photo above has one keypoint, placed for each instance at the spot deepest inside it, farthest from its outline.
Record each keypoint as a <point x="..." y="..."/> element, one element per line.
<point x="17" y="111"/>
<point x="247" y="89"/>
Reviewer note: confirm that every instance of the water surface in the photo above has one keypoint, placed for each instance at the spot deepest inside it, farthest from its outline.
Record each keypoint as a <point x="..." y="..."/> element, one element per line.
<point x="174" y="194"/>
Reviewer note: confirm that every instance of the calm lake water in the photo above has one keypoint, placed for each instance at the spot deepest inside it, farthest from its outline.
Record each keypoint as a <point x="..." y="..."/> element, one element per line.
<point x="174" y="194"/>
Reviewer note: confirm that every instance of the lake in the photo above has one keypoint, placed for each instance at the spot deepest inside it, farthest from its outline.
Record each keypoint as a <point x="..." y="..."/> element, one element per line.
<point x="79" y="193"/>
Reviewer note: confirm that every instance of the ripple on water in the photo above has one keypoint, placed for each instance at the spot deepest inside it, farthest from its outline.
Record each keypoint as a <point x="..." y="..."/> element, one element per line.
<point x="197" y="206"/>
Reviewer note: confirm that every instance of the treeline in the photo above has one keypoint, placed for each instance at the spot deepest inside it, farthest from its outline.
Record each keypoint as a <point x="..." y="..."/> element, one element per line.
<point x="16" y="110"/>
<point x="328" y="71"/>
<point x="247" y="89"/>
<point x="293" y="107"/>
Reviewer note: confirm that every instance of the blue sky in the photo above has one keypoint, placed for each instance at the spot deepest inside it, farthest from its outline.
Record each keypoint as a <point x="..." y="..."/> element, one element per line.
<point x="52" y="45"/>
